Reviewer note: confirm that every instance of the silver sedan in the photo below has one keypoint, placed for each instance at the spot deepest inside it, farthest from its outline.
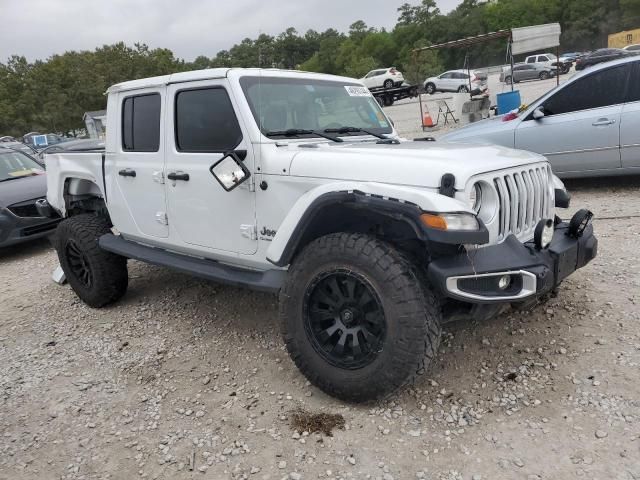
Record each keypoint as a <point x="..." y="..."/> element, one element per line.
<point x="586" y="127"/>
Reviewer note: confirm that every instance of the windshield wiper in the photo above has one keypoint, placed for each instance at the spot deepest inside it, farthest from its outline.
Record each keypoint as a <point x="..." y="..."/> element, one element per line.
<point x="343" y="130"/>
<point x="294" y="132"/>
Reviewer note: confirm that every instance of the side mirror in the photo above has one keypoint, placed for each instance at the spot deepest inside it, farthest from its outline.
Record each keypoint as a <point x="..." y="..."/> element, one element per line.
<point x="230" y="171"/>
<point x="538" y="113"/>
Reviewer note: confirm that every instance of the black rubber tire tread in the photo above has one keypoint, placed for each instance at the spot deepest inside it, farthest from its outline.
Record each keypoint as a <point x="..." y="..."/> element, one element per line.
<point x="387" y="84"/>
<point x="426" y="88"/>
<point x="110" y="276"/>
<point x="413" y="315"/>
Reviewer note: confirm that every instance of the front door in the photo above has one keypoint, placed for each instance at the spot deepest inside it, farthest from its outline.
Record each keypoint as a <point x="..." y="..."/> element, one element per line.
<point x="137" y="165"/>
<point x="630" y="126"/>
<point x="581" y="127"/>
<point x="204" y="128"/>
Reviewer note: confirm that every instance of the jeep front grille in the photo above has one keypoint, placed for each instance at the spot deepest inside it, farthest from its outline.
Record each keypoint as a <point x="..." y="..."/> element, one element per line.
<point x="524" y="198"/>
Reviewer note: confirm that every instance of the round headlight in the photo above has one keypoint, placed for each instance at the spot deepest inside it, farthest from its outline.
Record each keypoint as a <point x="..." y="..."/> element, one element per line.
<point x="475" y="197"/>
<point x="543" y="233"/>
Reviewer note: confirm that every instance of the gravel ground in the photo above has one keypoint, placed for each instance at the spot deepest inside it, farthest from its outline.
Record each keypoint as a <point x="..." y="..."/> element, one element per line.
<point x="189" y="379"/>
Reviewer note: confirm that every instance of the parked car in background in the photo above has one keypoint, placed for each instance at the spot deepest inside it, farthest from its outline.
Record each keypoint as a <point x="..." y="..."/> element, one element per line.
<point x="632" y="48"/>
<point x="24" y="148"/>
<point x="570" y="56"/>
<point x="383" y="78"/>
<point x="22" y="182"/>
<point x="457" y="81"/>
<point x="7" y="138"/>
<point x="599" y="56"/>
<point x="526" y="71"/>
<point x="586" y="127"/>
<point x="40" y="140"/>
<point x="546" y="59"/>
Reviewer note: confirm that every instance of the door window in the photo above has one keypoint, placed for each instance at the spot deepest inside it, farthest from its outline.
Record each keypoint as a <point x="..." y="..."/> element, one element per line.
<point x="634" y="83"/>
<point x="205" y="121"/>
<point x="543" y="58"/>
<point x="603" y="88"/>
<point x="446" y="75"/>
<point x="531" y="60"/>
<point x="141" y="123"/>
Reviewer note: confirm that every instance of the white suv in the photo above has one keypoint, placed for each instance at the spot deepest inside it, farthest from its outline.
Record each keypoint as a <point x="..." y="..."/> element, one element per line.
<point x="383" y="78"/>
<point x="456" y="81"/>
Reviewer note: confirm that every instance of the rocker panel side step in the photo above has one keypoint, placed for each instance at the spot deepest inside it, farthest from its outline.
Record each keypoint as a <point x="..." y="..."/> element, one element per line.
<point x="267" y="281"/>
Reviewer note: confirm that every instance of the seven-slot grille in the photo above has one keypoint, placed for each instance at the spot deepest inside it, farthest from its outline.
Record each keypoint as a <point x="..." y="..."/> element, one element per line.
<point x="525" y="197"/>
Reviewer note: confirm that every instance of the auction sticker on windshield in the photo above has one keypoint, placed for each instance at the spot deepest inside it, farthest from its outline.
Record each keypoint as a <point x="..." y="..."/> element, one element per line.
<point x="354" y="91"/>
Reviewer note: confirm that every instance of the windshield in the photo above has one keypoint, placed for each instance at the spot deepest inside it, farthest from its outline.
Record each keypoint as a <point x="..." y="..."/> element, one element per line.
<point x="281" y="104"/>
<point x="15" y="165"/>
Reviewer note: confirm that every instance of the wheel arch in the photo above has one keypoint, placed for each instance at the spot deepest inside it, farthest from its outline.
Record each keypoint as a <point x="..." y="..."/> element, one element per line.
<point x="389" y="213"/>
<point x="83" y="195"/>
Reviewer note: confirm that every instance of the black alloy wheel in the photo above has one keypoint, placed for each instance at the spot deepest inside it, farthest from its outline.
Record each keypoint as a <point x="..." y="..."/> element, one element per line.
<point x="344" y="319"/>
<point x="79" y="264"/>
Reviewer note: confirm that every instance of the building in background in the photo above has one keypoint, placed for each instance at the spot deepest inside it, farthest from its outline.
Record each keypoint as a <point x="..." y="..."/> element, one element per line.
<point x="96" y="123"/>
<point x="622" y="39"/>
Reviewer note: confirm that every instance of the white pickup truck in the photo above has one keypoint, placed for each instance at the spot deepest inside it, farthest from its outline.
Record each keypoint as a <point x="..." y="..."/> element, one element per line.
<point x="297" y="183"/>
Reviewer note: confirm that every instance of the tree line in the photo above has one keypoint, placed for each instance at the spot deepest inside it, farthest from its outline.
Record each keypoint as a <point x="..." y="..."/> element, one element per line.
<point x="51" y="95"/>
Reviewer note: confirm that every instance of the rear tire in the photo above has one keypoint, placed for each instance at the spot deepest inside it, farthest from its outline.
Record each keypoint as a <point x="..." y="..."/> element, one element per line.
<point x="507" y="80"/>
<point x="98" y="277"/>
<point x="388" y="101"/>
<point x="356" y="318"/>
<point x="387" y="84"/>
<point x="463" y="89"/>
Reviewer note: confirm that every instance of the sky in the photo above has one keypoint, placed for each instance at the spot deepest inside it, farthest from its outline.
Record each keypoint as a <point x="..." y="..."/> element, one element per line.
<point x="40" y="28"/>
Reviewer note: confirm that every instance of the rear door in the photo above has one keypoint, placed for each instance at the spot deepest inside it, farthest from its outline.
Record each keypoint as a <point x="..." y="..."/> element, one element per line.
<point x="138" y="163"/>
<point x="581" y="127"/>
<point x="630" y="123"/>
<point x="205" y="128"/>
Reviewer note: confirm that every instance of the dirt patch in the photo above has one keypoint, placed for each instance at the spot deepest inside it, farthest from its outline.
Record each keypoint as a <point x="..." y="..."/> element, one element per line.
<point x="303" y="421"/>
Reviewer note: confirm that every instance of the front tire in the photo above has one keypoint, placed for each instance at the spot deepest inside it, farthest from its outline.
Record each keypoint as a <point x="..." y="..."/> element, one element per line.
<point x="98" y="277"/>
<point x="544" y="75"/>
<point x="430" y="88"/>
<point x="356" y="318"/>
<point x="463" y="89"/>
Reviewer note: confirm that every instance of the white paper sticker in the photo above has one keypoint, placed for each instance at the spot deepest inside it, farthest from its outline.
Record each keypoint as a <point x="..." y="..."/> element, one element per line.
<point x="354" y="91"/>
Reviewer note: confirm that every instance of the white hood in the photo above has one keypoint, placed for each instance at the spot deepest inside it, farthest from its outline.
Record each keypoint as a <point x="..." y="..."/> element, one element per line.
<point x="419" y="164"/>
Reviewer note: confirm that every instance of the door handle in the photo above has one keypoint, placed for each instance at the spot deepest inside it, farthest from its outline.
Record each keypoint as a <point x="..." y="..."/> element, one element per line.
<point x="178" y="176"/>
<point x="601" y="122"/>
<point x="127" y="172"/>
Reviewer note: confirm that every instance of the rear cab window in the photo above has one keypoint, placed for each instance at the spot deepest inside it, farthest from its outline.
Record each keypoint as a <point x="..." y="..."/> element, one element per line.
<point x="141" y="122"/>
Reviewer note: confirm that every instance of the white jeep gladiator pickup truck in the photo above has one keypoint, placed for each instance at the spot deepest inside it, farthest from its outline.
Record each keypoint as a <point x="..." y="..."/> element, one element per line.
<point x="297" y="183"/>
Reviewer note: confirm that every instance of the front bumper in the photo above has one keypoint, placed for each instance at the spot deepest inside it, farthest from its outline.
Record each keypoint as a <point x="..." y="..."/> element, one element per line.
<point x="473" y="276"/>
<point x="15" y="229"/>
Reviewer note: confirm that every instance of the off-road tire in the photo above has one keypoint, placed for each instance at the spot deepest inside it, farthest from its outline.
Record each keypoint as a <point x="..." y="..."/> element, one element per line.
<point x="412" y="314"/>
<point x="430" y="88"/>
<point x="108" y="271"/>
